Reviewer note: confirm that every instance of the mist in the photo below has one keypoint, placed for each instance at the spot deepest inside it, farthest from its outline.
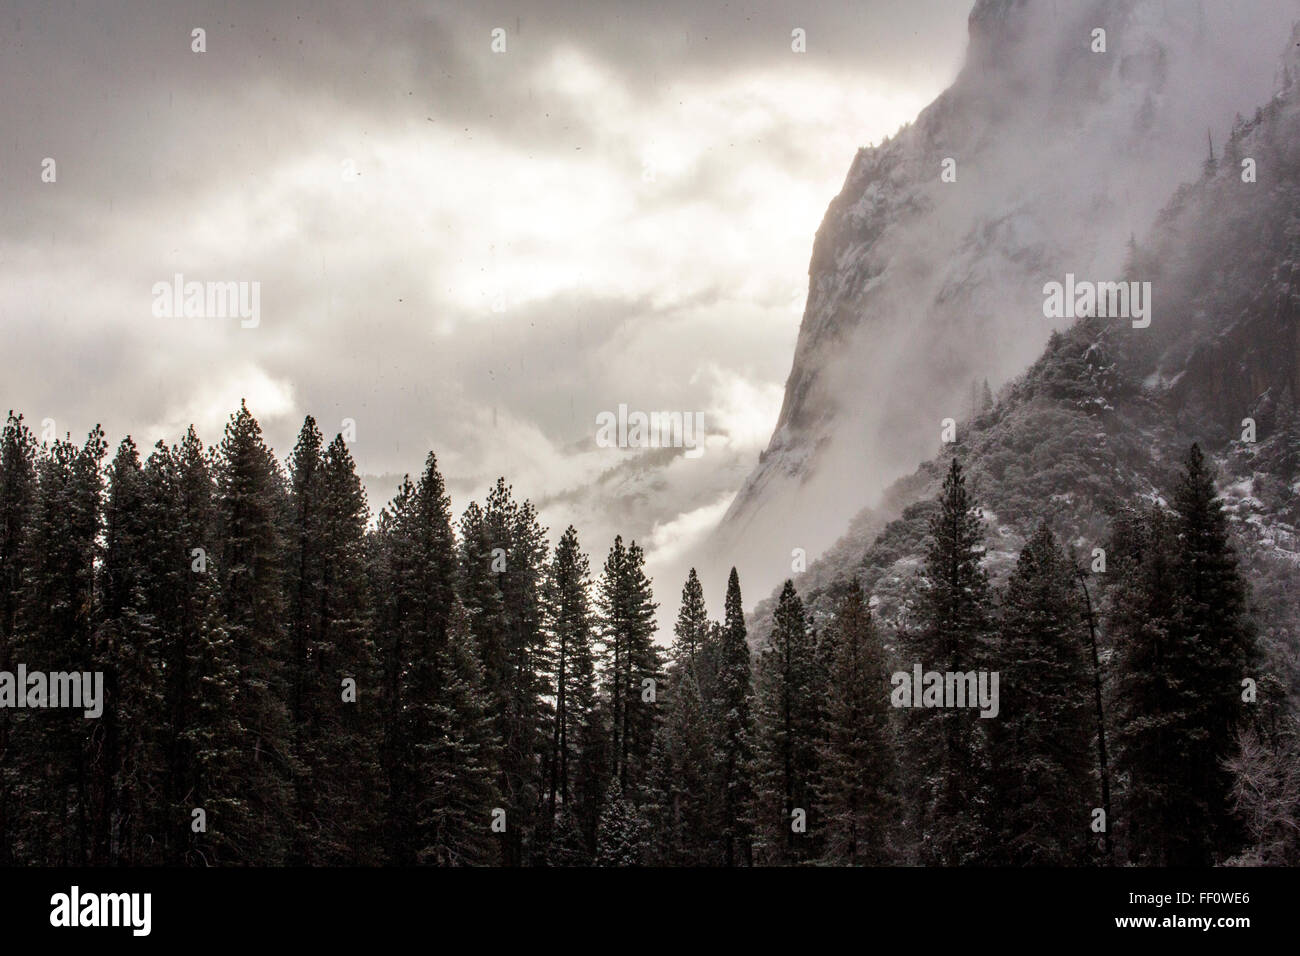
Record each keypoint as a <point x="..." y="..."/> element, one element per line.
<point x="921" y="288"/>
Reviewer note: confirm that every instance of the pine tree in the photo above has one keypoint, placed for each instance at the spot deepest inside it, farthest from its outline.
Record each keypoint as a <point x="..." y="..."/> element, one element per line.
<point x="692" y="627"/>
<point x="17" y="503"/>
<point x="593" y="773"/>
<point x="248" y="511"/>
<point x="622" y="838"/>
<point x="567" y="846"/>
<point x="569" y="629"/>
<point x="627" y="608"/>
<point x="944" y="745"/>
<point x="457" y="757"/>
<point x="855" y="789"/>
<point x="127" y="651"/>
<point x="335" y="723"/>
<point x="683" y="753"/>
<point x="1132" y="260"/>
<point x="1184" y="643"/>
<point x="304" y="622"/>
<point x="200" y="731"/>
<point x="1211" y="619"/>
<point x="787" y="735"/>
<point x="439" y="748"/>
<point x="1150" y="690"/>
<point x="503" y="555"/>
<point x="342" y="699"/>
<point x="682" y="763"/>
<point x="55" y="627"/>
<point x="1043" y="791"/>
<point x="213" y="807"/>
<point x="731" y="716"/>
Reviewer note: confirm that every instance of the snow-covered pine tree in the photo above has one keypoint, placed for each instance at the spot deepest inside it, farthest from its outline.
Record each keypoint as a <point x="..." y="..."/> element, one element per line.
<point x="944" y="746"/>
<point x="17" y="502"/>
<point x="249" y="507"/>
<point x="622" y="837"/>
<point x="1150" y="694"/>
<point x="127" y="649"/>
<point x="1043" y="790"/>
<point x="731" y="706"/>
<point x="503" y="566"/>
<point x="683" y="760"/>
<point x="569" y="627"/>
<point x="1211" y="617"/>
<point x="855" y="786"/>
<point x="440" y="747"/>
<point x="201" y="731"/>
<point x="55" y="633"/>
<point x="626" y="607"/>
<point x="345" y="731"/>
<point x="304" y="623"/>
<point x="787" y="732"/>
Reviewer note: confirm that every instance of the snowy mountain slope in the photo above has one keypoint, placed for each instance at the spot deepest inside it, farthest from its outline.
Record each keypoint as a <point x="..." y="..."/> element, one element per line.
<point x="919" y="287"/>
<point x="1103" y="416"/>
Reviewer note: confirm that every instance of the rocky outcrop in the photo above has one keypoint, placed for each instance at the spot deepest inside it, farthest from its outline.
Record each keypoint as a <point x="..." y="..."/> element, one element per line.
<point x="919" y="286"/>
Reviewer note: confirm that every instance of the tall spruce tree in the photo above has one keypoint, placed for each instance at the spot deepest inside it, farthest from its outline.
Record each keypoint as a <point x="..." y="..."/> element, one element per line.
<point x="570" y="632"/>
<point x="731" y="715"/>
<point x="1211" y="619"/>
<point x="632" y="665"/>
<point x="18" y="450"/>
<point x="944" y="745"/>
<point x="342" y="697"/>
<point x="128" y="651"/>
<point x="856" y="786"/>
<point x="458" y="759"/>
<point x="503" y="556"/>
<point x="787" y="736"/>
<point x="333" y="671"/>
<point x="1184" y="643"/>
<point x="683" y="753"/>
<point x="56" y="631"/>
<point x="248" y="511"/>
<point x="304" y="586"/>
<point x="200" y="731"/>
<point x="691" y="631"/>
<point x="1040" y="741"/>
<point x="439" y="746"/>
<point x="1151" y="693"/>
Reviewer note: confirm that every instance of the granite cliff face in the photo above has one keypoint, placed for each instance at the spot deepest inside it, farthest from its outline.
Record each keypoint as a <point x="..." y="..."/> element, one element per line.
<point x="1103" y="416"/>
<point x="921" y="287"/>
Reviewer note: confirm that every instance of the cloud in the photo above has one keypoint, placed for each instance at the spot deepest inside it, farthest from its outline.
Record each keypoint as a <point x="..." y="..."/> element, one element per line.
<point x="268" y="399"/>
<point x="669" y="540"/>
<point x="462" y="251"/>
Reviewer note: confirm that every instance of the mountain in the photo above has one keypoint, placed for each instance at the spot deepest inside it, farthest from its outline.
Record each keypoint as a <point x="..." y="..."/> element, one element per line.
<point x="1104" y="415"/>
<point x="919" y="288"/>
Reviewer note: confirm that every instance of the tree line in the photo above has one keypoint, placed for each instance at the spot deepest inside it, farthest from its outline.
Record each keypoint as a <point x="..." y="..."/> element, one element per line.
<point x="288" y="682"/>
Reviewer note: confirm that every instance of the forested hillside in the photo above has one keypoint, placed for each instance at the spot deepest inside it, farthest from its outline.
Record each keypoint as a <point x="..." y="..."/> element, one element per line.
<point x="1098" y="428"/>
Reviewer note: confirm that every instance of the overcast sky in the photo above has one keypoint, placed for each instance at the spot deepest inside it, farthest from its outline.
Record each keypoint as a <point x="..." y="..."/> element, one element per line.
<point x="464" y="250"/>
